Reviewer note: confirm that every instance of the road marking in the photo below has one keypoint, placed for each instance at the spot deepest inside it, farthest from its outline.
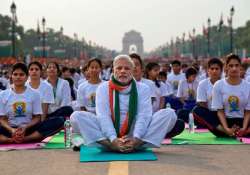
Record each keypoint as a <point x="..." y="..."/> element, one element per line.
<point x="118" y="168"/>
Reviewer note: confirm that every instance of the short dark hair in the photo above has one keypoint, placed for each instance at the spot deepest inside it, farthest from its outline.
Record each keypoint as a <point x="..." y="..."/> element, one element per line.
<point x="176" y="62"/>
<point x="94" y="60"/>
<point x="21" y="66"/>
<point x="213" y="61"/>
<point x="137" y="57"/>
<point x="39" y="65"/>
<point x="232" y="57"/>
<point x="65" y="69"/>
<point x="190" y="71"/>
<point x="162" y="73"/>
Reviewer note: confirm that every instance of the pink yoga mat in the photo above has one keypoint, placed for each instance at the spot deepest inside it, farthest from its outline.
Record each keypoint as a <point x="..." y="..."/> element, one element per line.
<point x="166" y="142"/>
<point x="244" y="140"/>
<point x="24" y="146"/>
<point x="201" y="130"/>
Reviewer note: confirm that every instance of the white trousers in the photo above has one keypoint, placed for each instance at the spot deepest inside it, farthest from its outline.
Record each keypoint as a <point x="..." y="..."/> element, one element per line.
<point x="88" y="126"/>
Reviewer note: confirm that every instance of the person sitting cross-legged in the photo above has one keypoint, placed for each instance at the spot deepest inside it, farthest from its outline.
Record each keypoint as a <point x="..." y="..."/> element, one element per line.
<point x="123" y="121"/>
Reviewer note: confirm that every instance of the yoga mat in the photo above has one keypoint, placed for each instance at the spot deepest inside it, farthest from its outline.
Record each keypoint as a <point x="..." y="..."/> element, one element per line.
<point x="95" y="154"/>
<point x="206" y="138"/>
<point x="22" y="146"/>
<point x="244" y="140"/>
<point x="56" y="142"/>
<point x="166" y="142"/>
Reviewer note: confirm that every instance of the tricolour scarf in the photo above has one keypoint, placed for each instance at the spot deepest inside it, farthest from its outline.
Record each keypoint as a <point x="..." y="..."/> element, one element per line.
<point x="114" y="89"/>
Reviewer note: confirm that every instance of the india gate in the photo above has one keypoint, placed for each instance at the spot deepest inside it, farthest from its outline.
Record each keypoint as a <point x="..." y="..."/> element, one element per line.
<point x="132" y="42"/>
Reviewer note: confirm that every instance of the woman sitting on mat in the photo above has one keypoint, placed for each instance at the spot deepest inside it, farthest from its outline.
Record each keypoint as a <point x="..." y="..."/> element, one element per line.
<point x="204" y="93"/>
<point x="21" y="110"/>
<point x="61" y="91"/>
<point x="231" y="99"/>
<point x="45" y="89"/>
<point x="87" y="90"/>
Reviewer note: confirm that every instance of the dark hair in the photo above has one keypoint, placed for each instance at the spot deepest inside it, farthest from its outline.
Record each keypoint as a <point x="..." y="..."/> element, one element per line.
<point x="213" y="61"/>
<point x="39" y="65"/>
<point x="71" y="85"/>
<point x="244" y="66"/>
<point x="162" y="73"/>
<point x="94" y="60"/>
<point x="137" y="57"/>
<point x="232" y="57"/>
<point x="190" y="71"/>
<point x="176" y="62"/>
<point x="72" y="70"/>
<point x="184" y="65"/>
<point x="21" y="66"/>
<point x="65" y="69"/>
<point x="57" y="67"/>
<point x="148" y="68"/>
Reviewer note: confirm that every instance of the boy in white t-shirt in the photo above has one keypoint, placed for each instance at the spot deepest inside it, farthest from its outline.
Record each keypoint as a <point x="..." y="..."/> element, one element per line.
<point x="203" y="111"/>
<point x="174" y="79"/>
<point x="187" y="93"/>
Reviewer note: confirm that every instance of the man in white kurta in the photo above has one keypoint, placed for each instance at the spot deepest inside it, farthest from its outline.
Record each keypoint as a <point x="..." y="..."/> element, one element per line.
<point x="147" y="129"/>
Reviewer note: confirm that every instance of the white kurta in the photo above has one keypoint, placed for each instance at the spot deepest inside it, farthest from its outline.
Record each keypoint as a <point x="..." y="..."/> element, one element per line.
<point x="150" y="129"/>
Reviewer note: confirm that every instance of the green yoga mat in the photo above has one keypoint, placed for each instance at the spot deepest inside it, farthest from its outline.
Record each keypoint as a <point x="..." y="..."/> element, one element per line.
<point x="95" y="154"/>
<point x="57" y="142"/>
<point x="206" y="138"/>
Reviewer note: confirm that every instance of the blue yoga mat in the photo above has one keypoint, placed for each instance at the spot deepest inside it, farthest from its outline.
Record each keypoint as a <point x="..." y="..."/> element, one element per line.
<point x="95" y="154"/>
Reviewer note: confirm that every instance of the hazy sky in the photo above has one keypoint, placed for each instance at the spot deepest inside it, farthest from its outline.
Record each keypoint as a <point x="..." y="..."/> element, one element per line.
<point x="106" y="21"/>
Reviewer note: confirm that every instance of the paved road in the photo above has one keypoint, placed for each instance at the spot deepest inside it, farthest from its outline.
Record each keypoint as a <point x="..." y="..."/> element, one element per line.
<point x="173" y="160"/>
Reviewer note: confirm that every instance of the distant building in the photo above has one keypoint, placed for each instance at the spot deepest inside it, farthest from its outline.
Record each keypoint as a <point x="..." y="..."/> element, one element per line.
<point x="132" y="42"/>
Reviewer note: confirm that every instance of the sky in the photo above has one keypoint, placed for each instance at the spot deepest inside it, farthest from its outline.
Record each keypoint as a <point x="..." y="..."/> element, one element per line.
<point x="105" y="21"/>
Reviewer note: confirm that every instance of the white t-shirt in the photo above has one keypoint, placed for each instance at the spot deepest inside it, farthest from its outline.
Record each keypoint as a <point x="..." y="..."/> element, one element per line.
<point x="204" y="92"/>
<point x="86" y="96"/>
<point x="62" y="95"/>
<point x="174" y="80"/>
<point x="187" y="90"/>
<point x="46" y="91"/>
<point x="150" y="84"/>
<point x="19" y="108"/>
<point x="5" y="82"/>
<point x="234" y="99"/>
<point x="160" y="92"/>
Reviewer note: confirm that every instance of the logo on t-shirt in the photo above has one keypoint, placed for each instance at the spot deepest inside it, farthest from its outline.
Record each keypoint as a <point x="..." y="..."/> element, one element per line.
<point x="19" y="109"/>
<point x="233" y="103"/>
<point x="191" y="94"/>
<point x="91" y="100"/>
<point x="175" y="85"/>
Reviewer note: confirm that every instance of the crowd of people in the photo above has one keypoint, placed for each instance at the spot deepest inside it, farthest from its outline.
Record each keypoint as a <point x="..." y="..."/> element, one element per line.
<point x="127" y="106"/>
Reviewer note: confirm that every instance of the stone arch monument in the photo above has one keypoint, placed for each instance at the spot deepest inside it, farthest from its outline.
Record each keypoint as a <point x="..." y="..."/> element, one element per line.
<point x="132" y="42"/>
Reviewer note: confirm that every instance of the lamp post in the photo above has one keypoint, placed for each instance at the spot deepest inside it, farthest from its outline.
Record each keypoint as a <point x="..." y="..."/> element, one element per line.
<point x="75" y="45"/>
<point x="183" y="43"/>
<point x="193" y="40"/>
<point x="208" y="36"/>
<point x="231" y="28"/>
<point x="43" y="24"/>
<point x="13" y="37"/>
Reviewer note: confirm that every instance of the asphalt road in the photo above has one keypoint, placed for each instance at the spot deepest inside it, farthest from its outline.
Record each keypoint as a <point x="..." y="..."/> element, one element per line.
<point x="172" y="160"/>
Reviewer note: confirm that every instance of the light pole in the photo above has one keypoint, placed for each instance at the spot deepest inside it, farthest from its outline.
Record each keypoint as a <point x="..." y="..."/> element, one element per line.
<point x="208" y="36"/>
<point x="13" y="37"/>
<point x="43" y="24"/>
<point x="183" y="44"/>
<point x="231" y="28"/>
<point x="75" y="45"/>
<point x="193" y="40"/>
